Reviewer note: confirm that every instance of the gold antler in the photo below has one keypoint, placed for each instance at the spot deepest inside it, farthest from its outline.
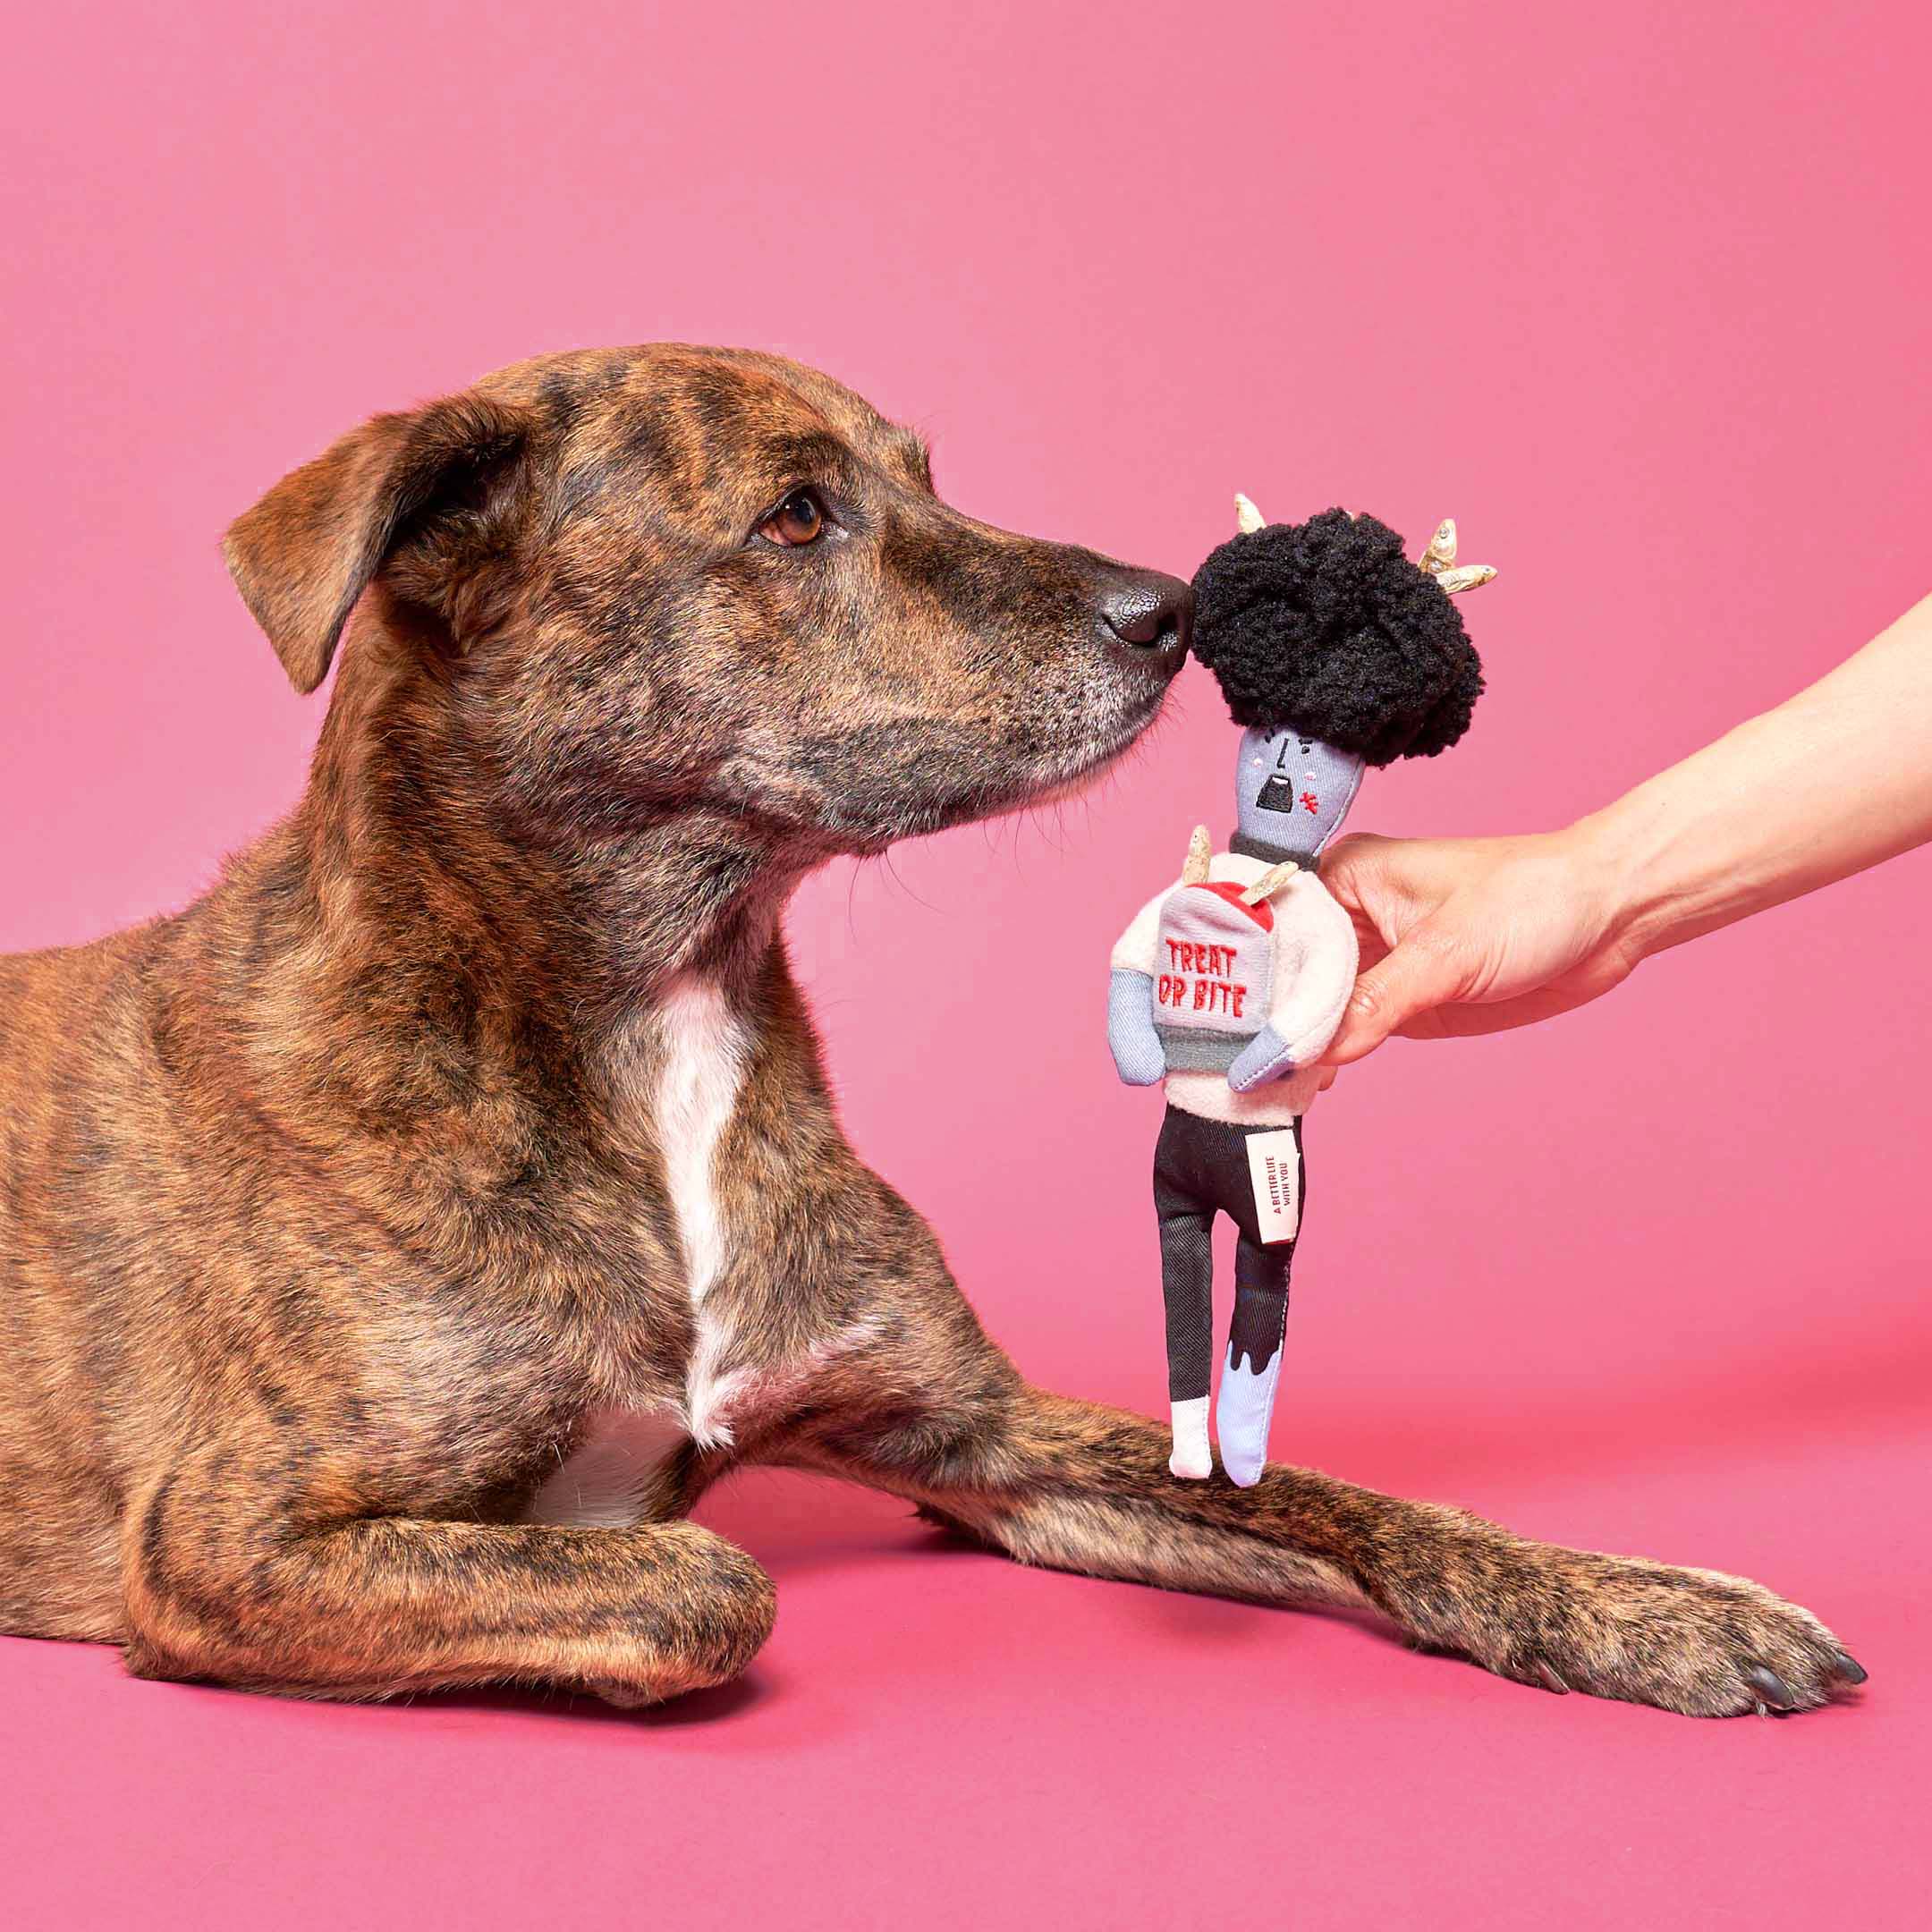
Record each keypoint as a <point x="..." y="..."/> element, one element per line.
<point x="1439" y="558"/>
<point x="1270" y="882"/>
<point x="1200" y="850"/>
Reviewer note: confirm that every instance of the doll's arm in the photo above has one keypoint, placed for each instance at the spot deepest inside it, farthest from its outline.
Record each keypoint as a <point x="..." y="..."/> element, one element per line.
<point x="1311" y="990"/>
<point x="1138" y="1057"/>
<point x="1136" y="1047"/>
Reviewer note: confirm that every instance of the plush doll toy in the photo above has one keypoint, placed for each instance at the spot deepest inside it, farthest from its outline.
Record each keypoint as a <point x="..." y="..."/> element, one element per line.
<point x="1336" y="653"/>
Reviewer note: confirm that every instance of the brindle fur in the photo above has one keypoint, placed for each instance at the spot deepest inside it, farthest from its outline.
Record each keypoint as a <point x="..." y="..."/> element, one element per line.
<point x="333" y="1209"/>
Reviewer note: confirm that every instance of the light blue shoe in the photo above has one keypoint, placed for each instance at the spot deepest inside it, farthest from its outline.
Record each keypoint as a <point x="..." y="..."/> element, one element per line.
<point x="1241" y="1414"/>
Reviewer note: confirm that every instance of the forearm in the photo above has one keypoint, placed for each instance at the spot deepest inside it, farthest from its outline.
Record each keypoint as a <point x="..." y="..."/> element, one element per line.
<point x="1837" y="779"/>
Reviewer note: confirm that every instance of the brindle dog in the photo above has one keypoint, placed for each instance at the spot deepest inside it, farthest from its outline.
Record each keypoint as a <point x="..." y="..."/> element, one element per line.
<point x="396" y="1244"/>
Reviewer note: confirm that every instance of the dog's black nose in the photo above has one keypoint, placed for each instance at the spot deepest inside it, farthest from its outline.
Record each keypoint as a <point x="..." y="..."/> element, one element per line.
<point x="1152" y="615"/>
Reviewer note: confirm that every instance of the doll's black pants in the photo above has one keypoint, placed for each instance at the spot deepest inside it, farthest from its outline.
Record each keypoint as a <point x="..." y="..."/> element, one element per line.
<point x="1200" y="1169"/>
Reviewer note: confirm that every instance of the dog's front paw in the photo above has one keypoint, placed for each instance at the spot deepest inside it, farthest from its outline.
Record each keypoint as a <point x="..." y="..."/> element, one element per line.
<point x="1690" y="1640"/>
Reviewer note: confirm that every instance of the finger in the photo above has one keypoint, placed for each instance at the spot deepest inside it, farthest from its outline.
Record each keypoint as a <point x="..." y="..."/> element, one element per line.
<point x="1357" y="878"/>
<point x="1416" y="978"/>
<point x="1351" y="852"/>
<point x="1392" y="880"/>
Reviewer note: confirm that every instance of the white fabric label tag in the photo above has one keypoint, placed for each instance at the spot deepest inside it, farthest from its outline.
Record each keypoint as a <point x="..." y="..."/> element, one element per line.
<point x="1275" y="1167"/>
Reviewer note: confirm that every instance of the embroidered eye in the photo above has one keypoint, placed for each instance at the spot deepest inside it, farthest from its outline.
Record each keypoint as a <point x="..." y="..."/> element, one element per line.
<point x="800" y="519"/>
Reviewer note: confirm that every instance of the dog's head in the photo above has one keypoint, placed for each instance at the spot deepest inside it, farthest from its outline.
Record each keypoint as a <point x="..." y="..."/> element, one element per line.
<point x="666" y="580"/>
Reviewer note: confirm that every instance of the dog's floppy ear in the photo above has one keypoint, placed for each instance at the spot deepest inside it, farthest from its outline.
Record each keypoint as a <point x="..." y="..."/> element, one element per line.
<point x="308" y="550"/>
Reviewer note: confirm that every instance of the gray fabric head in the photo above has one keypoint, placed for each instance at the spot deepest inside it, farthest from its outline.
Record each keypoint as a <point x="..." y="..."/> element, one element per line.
<point x="1291" y="793"/>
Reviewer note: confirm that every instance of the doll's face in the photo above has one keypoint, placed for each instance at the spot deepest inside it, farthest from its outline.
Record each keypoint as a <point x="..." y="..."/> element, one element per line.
<point x="1292" y="793"/>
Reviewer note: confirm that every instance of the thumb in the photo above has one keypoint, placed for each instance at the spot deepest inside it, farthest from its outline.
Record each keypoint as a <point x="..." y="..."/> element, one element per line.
<point x="1422" y="972"/>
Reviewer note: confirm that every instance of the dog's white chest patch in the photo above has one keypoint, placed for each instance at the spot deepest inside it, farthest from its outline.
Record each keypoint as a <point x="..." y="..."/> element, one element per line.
<point x="610" y="1477"/>
<point x="704" y="1049"/>
<point x="705" y="1053"/>
<point x="608" y="1480"/>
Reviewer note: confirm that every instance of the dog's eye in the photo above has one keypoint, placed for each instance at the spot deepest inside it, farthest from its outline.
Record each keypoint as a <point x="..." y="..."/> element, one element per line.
<point x="800" y="519"/>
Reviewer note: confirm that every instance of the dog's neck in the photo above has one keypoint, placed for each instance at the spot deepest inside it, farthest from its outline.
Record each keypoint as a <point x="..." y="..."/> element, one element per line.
<point x="415" y="910"/>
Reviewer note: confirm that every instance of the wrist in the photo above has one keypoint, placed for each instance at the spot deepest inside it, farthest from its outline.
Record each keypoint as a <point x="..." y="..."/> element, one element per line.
<point x="1626" y="861"/>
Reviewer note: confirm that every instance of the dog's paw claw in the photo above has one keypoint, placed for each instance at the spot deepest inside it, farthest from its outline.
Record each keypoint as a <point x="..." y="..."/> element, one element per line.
<point x="1771" y="1688"/>
<point x="1551" y="1679"/>
<point x="1850" y="1669"/>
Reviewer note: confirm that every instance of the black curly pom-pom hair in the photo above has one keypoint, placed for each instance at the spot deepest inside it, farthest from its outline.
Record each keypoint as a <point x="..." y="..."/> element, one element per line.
<point x="1326" y="628"/>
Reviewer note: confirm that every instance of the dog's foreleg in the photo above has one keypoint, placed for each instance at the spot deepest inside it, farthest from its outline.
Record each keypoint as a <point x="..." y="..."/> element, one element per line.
<point x="385" y="1604"/>
<point x="1077" y="1487"/>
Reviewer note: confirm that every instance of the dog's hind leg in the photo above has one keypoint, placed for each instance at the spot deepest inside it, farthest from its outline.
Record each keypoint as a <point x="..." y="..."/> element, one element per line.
<point x="1077" y="1487"/>
<point x="370" y="1607"/>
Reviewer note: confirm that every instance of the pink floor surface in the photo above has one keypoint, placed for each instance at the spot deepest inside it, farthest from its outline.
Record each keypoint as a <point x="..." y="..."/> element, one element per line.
<point x="939" y="1738"/>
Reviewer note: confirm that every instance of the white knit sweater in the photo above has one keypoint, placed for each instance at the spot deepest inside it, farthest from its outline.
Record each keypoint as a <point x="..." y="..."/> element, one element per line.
<point x="1314" y="972"/>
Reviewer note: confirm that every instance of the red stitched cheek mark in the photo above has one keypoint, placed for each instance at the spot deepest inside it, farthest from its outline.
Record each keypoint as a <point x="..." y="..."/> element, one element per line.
<point x="1308" y="803"/>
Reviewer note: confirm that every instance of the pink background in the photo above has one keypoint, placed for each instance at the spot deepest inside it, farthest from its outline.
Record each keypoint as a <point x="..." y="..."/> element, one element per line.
<point x="1641" y="298"/>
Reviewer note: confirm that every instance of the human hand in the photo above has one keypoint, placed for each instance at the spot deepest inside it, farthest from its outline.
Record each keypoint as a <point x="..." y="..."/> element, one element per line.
<point x="1474" y="935"/>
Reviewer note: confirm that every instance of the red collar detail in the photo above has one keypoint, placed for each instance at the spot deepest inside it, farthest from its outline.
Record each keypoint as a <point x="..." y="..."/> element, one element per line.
<point x="1263" y="915"/>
